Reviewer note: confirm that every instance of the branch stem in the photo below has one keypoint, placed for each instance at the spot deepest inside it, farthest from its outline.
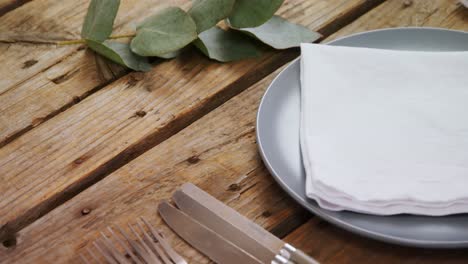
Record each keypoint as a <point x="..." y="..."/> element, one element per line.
<point x="131" y="35"/>
<point x="82" y="41"/>
<point x="71" y="42"/>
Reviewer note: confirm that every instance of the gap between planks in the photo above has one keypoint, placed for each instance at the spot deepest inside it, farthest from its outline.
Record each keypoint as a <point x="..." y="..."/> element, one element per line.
<point x="9" y="5"/>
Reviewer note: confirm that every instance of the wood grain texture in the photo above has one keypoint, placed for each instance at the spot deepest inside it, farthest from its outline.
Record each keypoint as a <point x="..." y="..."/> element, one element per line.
<point x="218" y="153"/>
<point x="415" y="13"/>
<point x="43" y="79"/>
<point x="37" y="87"/>
<point x="329" y="244"/>
<point x="78" y="147"/>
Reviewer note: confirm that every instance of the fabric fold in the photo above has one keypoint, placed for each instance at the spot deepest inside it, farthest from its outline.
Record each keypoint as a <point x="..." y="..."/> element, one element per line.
<point x="385" y="131"/>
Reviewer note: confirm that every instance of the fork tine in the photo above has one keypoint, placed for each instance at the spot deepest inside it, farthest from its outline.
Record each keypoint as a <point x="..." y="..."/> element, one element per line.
<point x="152" y="244"/>
<point x="84" y="259"/>
<point x="113" y="250"/>
<point x="162" y="252"/>
<point x="104" y="253"/>
<point x="136" y="249"/>
<point x="93" y="256"/>
<point x="150" y="247"/>
<point x="176" y="258"/>
<point x="123" y="245"/>
<point x="150" y="254"/>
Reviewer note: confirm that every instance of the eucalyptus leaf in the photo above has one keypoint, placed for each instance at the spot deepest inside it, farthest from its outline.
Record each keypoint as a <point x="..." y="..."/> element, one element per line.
<point x="226" y="46"/>
<point x="207" y="13"/>
<point x="99" y="20"/>
<point x="248" y="13"/>
<point x="282" y="34"/>
<point x="170" y="55"/>
<point x="164" y="32"/>
<point x="120" y="53"/>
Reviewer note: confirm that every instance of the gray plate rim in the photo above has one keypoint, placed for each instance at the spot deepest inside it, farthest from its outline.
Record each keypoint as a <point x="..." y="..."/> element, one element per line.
<point x="343" y="224"/>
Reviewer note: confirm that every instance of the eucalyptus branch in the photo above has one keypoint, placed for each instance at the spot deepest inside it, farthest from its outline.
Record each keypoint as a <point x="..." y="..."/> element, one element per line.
<point x="70" y="42"/>
<point x="83" y="41"/>
<point x="166" y="32"/>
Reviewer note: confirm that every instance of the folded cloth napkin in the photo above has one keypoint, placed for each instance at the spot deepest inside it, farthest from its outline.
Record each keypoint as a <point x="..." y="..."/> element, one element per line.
<point x="385" y="132"/>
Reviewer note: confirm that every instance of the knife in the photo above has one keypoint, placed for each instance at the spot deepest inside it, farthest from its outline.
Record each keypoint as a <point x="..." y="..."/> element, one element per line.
<point x="236" y="228"/>
<point x="205" y="240"/>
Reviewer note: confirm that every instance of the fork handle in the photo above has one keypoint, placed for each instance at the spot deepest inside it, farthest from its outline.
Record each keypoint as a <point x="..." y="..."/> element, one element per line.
<point x="280" y="259"/>
<point x="297" y="256"/>
<point x="300" y="257"/>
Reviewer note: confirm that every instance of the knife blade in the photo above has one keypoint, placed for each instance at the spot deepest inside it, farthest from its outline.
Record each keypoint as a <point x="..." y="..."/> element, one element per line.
<point x="234" y="227"/>
<point x="202" y="238"/>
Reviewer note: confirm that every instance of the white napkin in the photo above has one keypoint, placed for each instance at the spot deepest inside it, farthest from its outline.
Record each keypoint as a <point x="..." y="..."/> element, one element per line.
<point x="385" y="132"/>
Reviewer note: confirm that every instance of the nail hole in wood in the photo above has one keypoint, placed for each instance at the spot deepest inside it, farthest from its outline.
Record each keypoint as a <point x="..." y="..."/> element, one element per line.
<point x="407" y="3"/>
<point x="29" y="63"/>
<point x="266" y="214"/>
<point x="234" y="187"/>
<point x="9" y="242"/>
<point x="193" y="160"/>
<point x="140" y="113"/>
<point x="85" y="211"/>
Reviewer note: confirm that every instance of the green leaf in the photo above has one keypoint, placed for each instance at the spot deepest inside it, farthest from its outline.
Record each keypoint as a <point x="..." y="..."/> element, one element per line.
<point x="226" y="46"/>
<point x="120" y="53"/>
<point x="281" y="34"/>
<point x="207" y="13"/>
<point x="170" y="55"/>
<point x="248" y="13"/>
<point x="99" y="20"/>
<point x="166" y="31"/>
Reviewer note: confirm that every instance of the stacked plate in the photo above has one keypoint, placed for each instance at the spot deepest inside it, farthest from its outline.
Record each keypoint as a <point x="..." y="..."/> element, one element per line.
<point x="278" y="139"/>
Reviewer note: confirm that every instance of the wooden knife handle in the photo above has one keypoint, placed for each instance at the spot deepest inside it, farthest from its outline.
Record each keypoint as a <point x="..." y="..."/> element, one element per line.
<point x="297" y="256"/>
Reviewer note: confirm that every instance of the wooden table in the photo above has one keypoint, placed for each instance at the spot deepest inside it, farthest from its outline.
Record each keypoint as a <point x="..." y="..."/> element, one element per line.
<point x="85" y="144"/>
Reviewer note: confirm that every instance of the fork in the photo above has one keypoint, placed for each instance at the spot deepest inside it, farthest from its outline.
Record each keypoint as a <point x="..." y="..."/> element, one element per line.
<point x="150" y="248"/>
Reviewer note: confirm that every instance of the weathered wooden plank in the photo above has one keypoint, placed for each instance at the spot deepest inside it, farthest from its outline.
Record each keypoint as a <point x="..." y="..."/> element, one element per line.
<point x="218" y="153"/>
<point x="37" y="87"/>
<point x="42" y="79"/>
<point x="39" y="74"/>
<point x="330" y="244"/>
<point x="85" y="143"/>
<point x="417" y="13"/>
<point x="134" y="177"/>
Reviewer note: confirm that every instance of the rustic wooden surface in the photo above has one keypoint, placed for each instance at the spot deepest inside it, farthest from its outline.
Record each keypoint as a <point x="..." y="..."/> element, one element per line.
<point x="80" y="133"/>
<point x="86" y="142"/>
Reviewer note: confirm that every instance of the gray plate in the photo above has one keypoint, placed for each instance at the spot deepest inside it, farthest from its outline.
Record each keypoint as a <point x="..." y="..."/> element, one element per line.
<point x="278" y="140"/>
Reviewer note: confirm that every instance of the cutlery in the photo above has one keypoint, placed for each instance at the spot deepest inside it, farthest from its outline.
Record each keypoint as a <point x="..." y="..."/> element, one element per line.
<point x="236" y="228"/>
<point x="205" y="240"/>
<point x="150" y="247"/>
